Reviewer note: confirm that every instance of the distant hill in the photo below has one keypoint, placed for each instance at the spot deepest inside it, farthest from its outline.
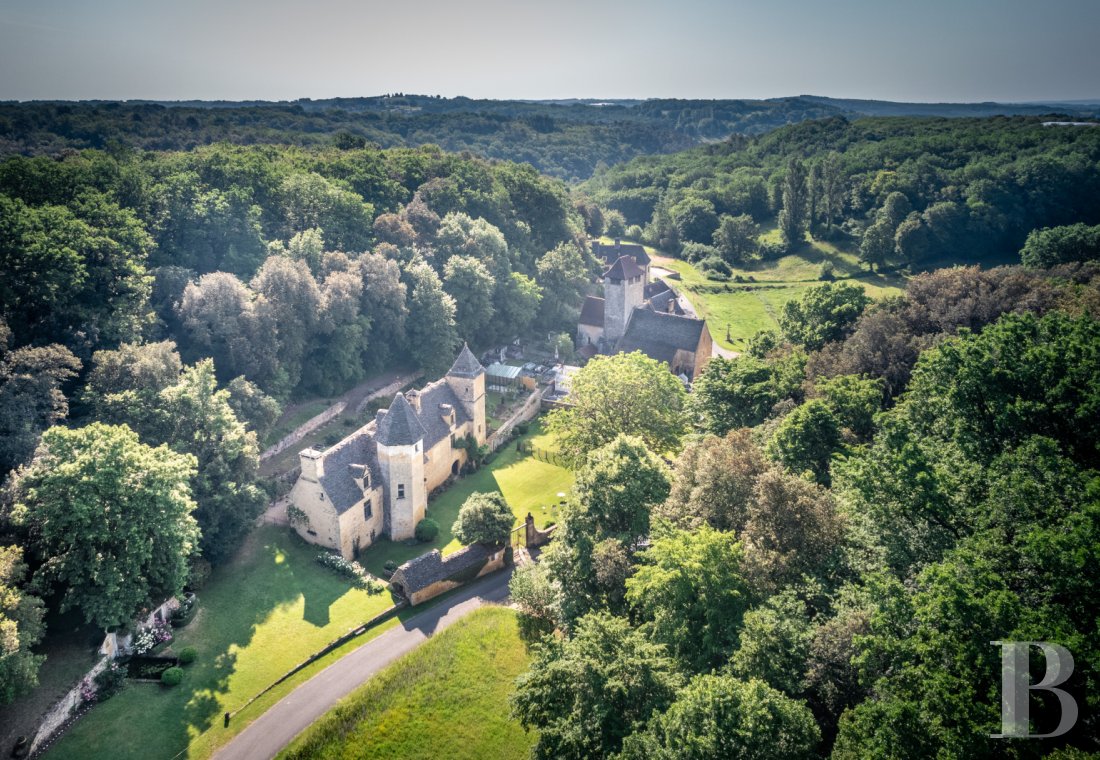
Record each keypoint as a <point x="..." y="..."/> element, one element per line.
<point x="1079" y="108"/>
<point x="567" y="138"/>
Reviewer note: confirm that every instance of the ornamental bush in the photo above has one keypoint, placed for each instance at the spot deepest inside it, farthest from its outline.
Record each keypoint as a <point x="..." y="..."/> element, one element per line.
<point x="188" y="655"/>
<point x="427" y="530"/>
<point x="172" y="677"/>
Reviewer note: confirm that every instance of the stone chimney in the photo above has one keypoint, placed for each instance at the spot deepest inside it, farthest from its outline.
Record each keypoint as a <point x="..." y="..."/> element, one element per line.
<point x="413" y="397"/>
<point x="313" y="466"/>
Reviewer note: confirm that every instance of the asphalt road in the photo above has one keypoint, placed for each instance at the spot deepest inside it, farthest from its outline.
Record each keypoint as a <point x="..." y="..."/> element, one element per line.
<point x="295" y="712"/>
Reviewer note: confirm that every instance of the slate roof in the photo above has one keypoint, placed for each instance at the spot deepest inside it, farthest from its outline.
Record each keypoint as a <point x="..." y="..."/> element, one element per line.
<point x="659" y="336"/>
<point x="430" y="416"/>
<point x="343" y="462"/>
<point x="625" y="267"/>
<point x="609" y="252"/>
<point x="417" y="574"/>
<point x="466" y="365"/>
<point x="399" y="426"/>
<point x="654" y="288"/>
<point x="592" y="311"/>
<point x="665" y="303"/>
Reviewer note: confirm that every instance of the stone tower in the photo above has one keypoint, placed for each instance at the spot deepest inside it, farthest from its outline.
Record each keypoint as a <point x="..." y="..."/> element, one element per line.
<point x="623" y="291"/>
<point x="400" y="439"/>
<point x="467" y="378"/>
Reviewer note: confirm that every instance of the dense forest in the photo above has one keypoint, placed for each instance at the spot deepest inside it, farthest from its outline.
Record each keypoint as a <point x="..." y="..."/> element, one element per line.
<point x="853" y="512"/>
<point x="567" y="139"/>
<point x="908" y="191"/>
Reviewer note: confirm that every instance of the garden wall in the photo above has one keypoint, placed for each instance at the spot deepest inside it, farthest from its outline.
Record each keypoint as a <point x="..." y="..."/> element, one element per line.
<point x="63" y="710"/>
<point x="305" y="429"/>
<point x="530" y="409"/>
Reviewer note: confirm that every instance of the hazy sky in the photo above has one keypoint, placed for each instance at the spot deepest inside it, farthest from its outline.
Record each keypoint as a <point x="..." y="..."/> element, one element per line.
<point x="922" y="50"/>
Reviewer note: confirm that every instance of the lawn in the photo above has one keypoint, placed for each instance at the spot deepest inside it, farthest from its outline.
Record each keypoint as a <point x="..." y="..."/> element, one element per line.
<point x="740" y="309"/>
<point x="260" y="615"/>
<point x="448" y="698"/>
<point x="528" y="485"/>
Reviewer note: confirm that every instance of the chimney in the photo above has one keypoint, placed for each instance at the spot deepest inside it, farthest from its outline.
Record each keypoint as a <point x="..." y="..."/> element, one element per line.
<point x="413" y="397"/>
<point x="313" y="467"/>
<point x="618" y="243"/>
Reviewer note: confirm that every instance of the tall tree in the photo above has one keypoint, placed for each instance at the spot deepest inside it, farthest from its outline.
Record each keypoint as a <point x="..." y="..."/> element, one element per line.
<point x="196" y="418"/>
<point x="431" y="324"/>
<point x="793" y="217"/>
<point x="109" y="520"/>
<point x="294" y="301"/>
<point x="31" y="398"/>
<point x="690" y="595"/>
<point x="21" y="627"/>
<point x="585" y="694"/>
<point x="824" y="313"/>
<point x="622" y="394"/>
<point x="718" y="716"/>
<point x="471" y="285"/>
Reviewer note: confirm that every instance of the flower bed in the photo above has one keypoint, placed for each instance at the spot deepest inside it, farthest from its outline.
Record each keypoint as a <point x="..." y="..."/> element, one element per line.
<point x="148" y="639"/>
<point x="353" y="571"/>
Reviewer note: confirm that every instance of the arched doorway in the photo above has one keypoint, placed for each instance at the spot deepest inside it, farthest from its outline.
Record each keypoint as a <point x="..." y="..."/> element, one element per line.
<point x="454" y="467"/>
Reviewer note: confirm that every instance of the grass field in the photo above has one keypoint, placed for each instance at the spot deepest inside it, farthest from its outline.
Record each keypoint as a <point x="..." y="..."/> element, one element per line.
<point x="260" y="615"/>
<point x="447" y="699"/>
<point x="528" y="485"/>
<point x="290" y="422"/>
<point x="740" y="309"/>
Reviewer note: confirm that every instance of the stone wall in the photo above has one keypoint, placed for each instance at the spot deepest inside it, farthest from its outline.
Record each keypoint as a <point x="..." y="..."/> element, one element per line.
<point x="305" y="429"/>
<point x="63" y="710"/>
<point x="530" y="409"/>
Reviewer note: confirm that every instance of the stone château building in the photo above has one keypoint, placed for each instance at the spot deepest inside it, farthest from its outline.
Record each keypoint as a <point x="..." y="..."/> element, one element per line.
<point x="637" y="314"/>
<point x="376" y="481"/>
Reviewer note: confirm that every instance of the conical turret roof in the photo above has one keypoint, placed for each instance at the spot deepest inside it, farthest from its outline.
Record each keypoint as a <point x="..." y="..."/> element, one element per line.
<point x="399" y="426"/>
<point x="466" y="365"/>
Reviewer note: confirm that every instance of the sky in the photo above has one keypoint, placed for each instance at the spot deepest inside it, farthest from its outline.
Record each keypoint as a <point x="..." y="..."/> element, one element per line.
<point x="910" y="50"/>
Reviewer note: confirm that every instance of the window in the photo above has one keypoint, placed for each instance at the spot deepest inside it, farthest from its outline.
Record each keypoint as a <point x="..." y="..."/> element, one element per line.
<point x="322" y="495"/>
<point x="368" y="511"/>
<point x="401" y="490"/>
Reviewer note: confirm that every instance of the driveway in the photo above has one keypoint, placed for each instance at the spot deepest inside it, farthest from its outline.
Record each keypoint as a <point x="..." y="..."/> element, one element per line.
<point x="273" y="730"/>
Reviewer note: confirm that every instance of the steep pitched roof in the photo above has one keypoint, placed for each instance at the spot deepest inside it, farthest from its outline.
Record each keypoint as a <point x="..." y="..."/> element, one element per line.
<point x="592" y="311"/>
<point x="659" y="336"/>
<point x="466" y="365"/>
<point x="430" y="416"/>
<point x="609" y="252"/>
<point x="624" y="268"/>
<point x="665" y="302"/>
<point x="399" y="426"/>
<point x="343" y="463"/>
<point x="417" y="574"/>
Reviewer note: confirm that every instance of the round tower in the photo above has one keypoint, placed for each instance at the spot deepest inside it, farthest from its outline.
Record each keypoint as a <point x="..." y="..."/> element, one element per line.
<point x="400" y="441"/>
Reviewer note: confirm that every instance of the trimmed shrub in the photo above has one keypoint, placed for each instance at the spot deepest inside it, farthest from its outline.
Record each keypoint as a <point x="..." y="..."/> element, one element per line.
<point x="427" y="530"/>
<point x="188" y="655"/>
<point x="172" y="677"/>
<point x="109" y="682"/>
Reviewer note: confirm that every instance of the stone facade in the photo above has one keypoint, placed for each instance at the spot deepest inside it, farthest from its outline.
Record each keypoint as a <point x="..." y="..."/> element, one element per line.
<point x="376" y="482"/>
<point x="638" y="315"/>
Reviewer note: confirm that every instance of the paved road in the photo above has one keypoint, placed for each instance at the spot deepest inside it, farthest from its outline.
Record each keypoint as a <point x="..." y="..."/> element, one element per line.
<point x="295" y="712"/>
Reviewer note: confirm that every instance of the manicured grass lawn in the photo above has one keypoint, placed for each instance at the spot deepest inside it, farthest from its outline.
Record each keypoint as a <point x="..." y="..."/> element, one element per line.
<point x="260" y="615"/>
<point x="446" y="699"/>
<point x="747" y="307"/>
<point x="528" y="485"/>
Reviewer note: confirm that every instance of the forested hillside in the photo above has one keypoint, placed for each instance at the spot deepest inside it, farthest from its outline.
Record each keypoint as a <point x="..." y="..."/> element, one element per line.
<point x="567" y="139"/>
<point x="903" y="190"/>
